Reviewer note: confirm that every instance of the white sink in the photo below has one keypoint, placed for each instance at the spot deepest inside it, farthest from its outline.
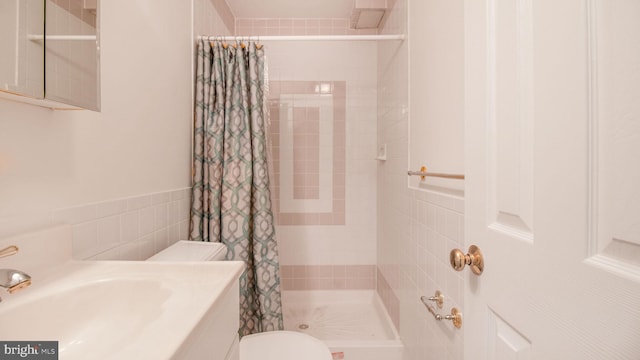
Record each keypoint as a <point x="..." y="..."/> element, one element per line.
<point x="122" y="309"/>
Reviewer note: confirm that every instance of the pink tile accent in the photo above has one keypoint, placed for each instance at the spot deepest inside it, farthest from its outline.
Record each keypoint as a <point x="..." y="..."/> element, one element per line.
<point x="325" y="23"/>
<point x="306" y="133"/>
<point x="340" y="23"/>
<point x="327" y="277"/>
<point x="286" y="271"/>
<point x="320" y="271"/>
<point x="339" y="219"/>
<point x="244" y="22"/>
<point x="301" y="26"/>
<point x="273" y="23"/>
<point x="287" y="283"/>
<point x="299" y="271"/>
<point x="306" y="149"/>
<point x="389" y="299"/>
<point x="299" y="284"/>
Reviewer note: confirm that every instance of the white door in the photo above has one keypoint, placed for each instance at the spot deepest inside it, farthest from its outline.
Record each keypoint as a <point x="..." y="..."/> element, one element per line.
<point x="552" y="122"/>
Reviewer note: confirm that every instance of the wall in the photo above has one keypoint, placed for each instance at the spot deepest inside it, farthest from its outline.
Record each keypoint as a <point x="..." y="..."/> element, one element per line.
<point x="325" y="174"/>
<point x="416" y="228"/>
<point x="436" y="63"/>
<point x="297" y="26"/>
<point x="138" y="146"/>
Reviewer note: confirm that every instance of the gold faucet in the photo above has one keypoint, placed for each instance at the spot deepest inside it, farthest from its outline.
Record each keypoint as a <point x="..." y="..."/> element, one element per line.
<point x="8" y="251"/>
<point x="10" y="279"/>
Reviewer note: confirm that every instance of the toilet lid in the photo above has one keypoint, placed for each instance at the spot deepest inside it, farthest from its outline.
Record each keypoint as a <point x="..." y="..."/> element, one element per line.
<point x="185" y="250"/>
<point x="283" y="345"/>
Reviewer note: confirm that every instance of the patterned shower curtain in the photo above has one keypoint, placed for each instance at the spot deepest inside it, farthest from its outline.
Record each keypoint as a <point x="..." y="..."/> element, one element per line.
<point x="231" y="200"/>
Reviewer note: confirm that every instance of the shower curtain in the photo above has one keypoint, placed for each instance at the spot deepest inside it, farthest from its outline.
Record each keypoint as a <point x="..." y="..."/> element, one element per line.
<point x="231" y="200"/>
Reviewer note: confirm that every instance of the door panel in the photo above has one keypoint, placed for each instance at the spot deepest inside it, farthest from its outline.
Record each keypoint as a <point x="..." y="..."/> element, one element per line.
<point x="510" y="117"/>
<point x="615" y="135"/>
<point x="505" y="342"/>
<point x="552" y="141"/>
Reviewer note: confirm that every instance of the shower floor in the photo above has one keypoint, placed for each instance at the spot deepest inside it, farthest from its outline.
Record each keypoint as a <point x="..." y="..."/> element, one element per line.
<point x="336" y="315"/>
<point x="352" y="323"/>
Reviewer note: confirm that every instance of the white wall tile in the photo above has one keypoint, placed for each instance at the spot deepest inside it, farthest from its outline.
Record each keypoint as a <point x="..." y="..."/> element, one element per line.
<point x="129" y="251"/>
<point x="111" y="254"/>
<point x="161" y="239"/>
<point x="113" y="229"/>
<point x="147" y="220"/>
<point x="109" y="208"/>
<point x="416" y="229"/>
<point x="184" y="230"/>
<point x="174" y="212"/>
<point x="138" y="202"/>
<point x="161" y="216"/>
<point x="355" y="242"/>
<point x="85" y="239"/>
<point x="108" y="232"/>
<point x="174" y="233"/>
<point x="130" y="222"/>
<point x="185" y="208"/>
<point x="147" y="246"/>
<point x="161" y="198"/>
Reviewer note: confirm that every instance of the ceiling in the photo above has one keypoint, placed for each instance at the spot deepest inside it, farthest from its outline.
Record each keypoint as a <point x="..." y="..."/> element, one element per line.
<point x="291" y="8"/>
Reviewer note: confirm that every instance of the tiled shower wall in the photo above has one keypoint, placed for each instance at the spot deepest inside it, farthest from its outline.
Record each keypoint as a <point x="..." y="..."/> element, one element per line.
<point x="323" y="132"/>
<point x="308" y="138"/>
<point x="416" y="228"/>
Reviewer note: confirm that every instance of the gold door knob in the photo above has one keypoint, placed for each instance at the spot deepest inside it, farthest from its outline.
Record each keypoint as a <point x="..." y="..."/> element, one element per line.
<point x="473" y="258"/>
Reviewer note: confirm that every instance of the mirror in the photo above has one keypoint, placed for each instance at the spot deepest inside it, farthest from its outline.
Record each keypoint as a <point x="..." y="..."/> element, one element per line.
<point x="58" y="61"/>
<point x="72" y="53"/>
<point x="21" y="60"/>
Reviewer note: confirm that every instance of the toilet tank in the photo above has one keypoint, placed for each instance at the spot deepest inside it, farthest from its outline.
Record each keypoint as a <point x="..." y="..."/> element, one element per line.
<point x="186" y="250"/>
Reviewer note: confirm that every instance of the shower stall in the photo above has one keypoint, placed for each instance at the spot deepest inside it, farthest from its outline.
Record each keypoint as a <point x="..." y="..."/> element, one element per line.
<point x="323" y="133"/>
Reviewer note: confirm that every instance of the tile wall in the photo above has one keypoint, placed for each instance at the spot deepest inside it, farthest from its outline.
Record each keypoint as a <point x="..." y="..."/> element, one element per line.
<point x="339" y="79"/>
<point x="275" y="26"/>
<point x="308" y="137"/>
<point x="132" y="228"/>
<point x="328" y="277"/>
<point x="416" y="228"/>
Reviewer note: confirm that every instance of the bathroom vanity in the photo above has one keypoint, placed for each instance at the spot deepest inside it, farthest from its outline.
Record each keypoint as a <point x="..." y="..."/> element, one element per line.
<point x="120" y="309"/>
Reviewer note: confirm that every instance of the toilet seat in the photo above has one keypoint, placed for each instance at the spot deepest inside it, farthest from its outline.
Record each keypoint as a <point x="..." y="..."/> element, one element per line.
<point x="283" y="345"/>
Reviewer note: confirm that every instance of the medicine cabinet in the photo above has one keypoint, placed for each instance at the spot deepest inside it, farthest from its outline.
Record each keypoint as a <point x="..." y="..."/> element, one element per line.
<point x="50" y="52"/>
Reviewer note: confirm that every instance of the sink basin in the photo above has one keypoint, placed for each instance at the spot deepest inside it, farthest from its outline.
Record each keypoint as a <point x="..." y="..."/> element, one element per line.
<point x="118" y="309"/>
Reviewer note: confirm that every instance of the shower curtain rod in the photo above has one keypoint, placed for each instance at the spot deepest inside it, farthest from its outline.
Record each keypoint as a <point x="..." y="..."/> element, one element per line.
<point x="306" y="37"/>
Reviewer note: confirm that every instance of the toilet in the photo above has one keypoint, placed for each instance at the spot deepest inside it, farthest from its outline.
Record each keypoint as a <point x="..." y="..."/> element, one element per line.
<point x="185" y="250"/>
<point x="273" y="345"/>
<point x="283" y="345"/>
